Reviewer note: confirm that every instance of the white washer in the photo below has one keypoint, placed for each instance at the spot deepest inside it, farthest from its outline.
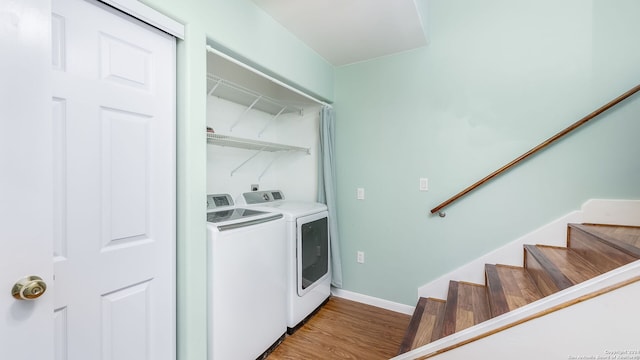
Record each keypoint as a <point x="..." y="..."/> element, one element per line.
<point x="247" y="280"/>
<point x="308" y="249"/>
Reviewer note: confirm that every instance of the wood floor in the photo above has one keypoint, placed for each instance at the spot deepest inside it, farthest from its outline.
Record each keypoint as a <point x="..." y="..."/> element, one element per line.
<point x="344" y="329"/>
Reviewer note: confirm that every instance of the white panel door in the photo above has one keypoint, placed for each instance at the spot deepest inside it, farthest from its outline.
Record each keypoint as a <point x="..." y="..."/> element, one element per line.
<point x="25" y="177"/>
<point x="113" y="111"/>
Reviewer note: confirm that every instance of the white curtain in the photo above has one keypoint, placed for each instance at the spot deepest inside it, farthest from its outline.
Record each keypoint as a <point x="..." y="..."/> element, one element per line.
<point x="327" y="187"/>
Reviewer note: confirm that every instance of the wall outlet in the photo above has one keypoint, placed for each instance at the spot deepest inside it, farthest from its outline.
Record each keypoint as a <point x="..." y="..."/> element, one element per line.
<point x="360" y="257"/>
<point x="255" y="187"/>
<point x="360" y="193"/>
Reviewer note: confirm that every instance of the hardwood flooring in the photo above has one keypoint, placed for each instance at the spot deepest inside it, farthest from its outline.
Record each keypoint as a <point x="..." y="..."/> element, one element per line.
<point x="344" y="329"/>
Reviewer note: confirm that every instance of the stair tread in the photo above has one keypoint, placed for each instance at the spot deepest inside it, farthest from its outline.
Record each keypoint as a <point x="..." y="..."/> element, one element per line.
<point x="544" y="273"/>
<point x="628" y="234"/>
<point x="564" y="265"/>
<point x="425" y="325"/>
<point x="414" y="324"/>
<point x="572" y="265"/>
<point x="515" y="285"/>
<point x="467" y="305"/>
<point x="430" y="328"/>
<point x="603" y="252"/>
<point x="498" y="304"/>
<point x="623" y="238"/>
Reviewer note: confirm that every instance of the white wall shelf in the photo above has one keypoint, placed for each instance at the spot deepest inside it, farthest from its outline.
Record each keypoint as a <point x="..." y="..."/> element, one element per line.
<point x="250" y="144"/>
<point x="238" y="94"/>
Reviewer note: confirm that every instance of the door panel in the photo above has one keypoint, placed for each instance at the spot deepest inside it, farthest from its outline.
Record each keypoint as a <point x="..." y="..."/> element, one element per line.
<point x="114" y="156"/>
<point x="59" y="121"/>
<point x="126" y="325"/>
<point x="125" y="177"/>
<point x="125" y="63"/>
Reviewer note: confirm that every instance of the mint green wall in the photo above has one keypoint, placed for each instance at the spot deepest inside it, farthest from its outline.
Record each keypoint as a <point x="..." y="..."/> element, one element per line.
<point x="245" y="30"/>
<point x="497" y="78"/>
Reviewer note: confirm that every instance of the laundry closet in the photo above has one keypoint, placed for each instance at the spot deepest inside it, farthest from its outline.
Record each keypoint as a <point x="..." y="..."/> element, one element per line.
<point x="260" y="133"/>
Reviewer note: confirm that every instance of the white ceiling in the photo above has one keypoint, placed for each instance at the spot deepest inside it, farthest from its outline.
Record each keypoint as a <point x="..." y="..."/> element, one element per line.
<point x="348" y="31"/>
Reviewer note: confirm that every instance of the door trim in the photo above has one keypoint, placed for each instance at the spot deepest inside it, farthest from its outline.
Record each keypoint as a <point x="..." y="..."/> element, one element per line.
<point x="148" y="15"/>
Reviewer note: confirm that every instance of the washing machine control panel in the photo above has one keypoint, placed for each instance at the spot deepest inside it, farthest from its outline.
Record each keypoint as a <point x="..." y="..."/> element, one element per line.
<point x="261" y="197"/>
<point x="217" y="201"/>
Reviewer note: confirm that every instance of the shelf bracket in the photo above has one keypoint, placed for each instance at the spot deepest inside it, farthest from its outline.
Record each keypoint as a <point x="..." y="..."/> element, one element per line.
<point x="269" y="166"/>
<point x="246" y="161"/>
<point x="271" y="121"/>
<point x="245" y="112"/>
<point x="214" y="87"/>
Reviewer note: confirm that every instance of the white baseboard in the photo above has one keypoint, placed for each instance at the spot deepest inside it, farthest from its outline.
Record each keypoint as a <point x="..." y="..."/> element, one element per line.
<point x="373" y="301"/>
<point x="619" y="212"/>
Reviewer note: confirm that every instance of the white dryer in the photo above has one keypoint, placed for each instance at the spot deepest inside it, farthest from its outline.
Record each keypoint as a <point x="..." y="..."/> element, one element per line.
<point x="247" y="280"/>
<point x="308" y="249"/>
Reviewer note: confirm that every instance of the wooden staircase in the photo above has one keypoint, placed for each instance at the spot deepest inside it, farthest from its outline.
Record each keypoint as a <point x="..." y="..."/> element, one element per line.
<point x="592" y="249"/>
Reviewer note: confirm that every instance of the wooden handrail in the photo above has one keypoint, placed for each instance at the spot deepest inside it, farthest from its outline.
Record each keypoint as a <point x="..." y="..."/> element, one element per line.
<point x="542" y="145"/>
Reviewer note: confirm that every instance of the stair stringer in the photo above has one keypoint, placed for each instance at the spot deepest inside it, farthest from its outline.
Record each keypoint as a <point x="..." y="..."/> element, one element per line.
<point x="586" y="320"/>
<point x="603" y="211"/>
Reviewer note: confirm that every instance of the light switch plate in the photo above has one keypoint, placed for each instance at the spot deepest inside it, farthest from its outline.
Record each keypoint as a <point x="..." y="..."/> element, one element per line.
<point x="424" y="184"/>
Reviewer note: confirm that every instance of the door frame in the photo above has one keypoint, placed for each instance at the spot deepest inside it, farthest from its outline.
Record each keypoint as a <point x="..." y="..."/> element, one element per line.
<point x="144" y="13"/>
<point x="26" y="182"/>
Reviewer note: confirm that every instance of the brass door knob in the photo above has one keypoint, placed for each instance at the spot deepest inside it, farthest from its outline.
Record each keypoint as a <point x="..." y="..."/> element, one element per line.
<point x="29" y="288"/>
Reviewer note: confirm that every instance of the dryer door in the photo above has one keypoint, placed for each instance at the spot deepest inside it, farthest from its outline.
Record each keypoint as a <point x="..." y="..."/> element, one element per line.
<point x="312" y="251"/>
